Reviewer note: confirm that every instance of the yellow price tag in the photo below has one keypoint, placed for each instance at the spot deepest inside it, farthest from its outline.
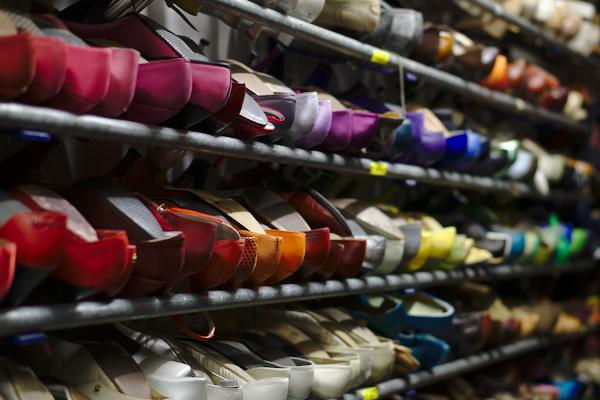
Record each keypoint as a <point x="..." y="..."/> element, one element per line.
<point x="378" y="168"/>
<point x="519" y="104"/>
<point x="380" y="57"/>
<point x="370" y="393"/>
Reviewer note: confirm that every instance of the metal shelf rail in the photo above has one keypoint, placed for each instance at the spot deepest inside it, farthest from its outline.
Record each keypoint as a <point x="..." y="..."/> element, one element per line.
<point x="18" y="116"/>
<point x="461" y="366"/>
<point x="36" y="318"/>
<point x="557" y="46"/>
<point x="356" y="49"/>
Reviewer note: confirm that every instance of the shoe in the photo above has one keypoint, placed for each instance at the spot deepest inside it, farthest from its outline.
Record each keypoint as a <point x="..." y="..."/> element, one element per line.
<point x="266" y="346"/>
<point x="350" y="130"/>
<point x="427" y="349"/>
<point x="169" y="348"/>
<point x="383" y="348"/>
<point x="50" y="70"/>
<point x="357" y="16"/>
<point x="398" y="30"/>
<point x="272" y="211"/>
<point x="389" y="315"/>
<point x="40" y="238"/>
<point x="376" y="222"/>
<point x="332" y="339"/>
<point x="93" y="261"/>
<point x="18" y="74"/>
<point x="427" y="146"/>
<point x="147" y="176"/>
<point x="210" y="83"/>
<point x="107" y="205"/>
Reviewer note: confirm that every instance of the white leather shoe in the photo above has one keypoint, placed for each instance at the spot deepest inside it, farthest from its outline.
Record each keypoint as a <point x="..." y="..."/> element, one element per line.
<point x="171" y="349"/>
<point x="301" y="372"/>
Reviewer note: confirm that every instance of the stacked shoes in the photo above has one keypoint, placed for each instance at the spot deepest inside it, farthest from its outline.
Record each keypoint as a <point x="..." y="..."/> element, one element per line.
<point x="287" y="353"/>
<point x="253" y="229"/>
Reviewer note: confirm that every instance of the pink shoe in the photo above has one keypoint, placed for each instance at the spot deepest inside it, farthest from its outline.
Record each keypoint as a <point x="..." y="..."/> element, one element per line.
<point x="87" y="80"/>
<point x="162" y="89"/>
<point x="123" y="78"/>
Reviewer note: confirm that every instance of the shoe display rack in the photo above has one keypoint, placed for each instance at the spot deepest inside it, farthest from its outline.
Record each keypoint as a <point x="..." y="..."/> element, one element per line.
<point x="26" y="319"/>
<point x="364" y="52"/>
<point x="32" y="319"/>
<point x="461" y="366"/>
<point x="19" y="117"/>
<point x="556" y="46"/>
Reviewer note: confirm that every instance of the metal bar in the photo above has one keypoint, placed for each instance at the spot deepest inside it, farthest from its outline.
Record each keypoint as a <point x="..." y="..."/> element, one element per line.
<point x="19" y="116"/>
<point x="70" y="315"/>
<point x="463" y="365"/>
<point x="356" y="49"/>
<point x="529" y="27"/>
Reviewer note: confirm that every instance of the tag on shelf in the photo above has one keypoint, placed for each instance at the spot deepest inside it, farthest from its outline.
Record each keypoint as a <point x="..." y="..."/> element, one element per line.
<point x="370" y="393"/>
<point x="380" y="56"/>
<point x="378" y="168"/>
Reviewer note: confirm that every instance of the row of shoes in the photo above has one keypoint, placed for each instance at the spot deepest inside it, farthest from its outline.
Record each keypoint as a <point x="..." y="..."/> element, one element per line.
<point x="563" y="372"/>
<point x="573" y="22"/>
<point x="250" y="104"/>
<point x="287" y="353"/>
<point x="404" y="31"/>
<point x="149" y="236"/>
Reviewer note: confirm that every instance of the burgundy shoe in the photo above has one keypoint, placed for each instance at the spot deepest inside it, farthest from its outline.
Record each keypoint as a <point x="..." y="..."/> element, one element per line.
<point x="123" y="79"/>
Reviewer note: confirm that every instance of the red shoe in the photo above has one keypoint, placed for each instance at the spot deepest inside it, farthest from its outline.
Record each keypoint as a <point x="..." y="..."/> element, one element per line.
<point x="160" y="251"/>
<point x="8" y="264"/>
<point x="93" y="260"/>
<point x="17" y="68"/>
<point x="40" y="237"/>
<point x="50" y="69"/>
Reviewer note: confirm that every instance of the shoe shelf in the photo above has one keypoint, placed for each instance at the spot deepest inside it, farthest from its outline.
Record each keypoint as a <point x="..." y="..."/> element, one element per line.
<point x="462" y="366"/>
<point x="557" y="46"/>
<point x="40" y="318"/>
<point x="350" y="47"/>
<point x="23" y="117"/>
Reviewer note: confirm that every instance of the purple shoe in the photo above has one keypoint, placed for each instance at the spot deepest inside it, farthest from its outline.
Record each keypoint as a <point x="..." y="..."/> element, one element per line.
<point x="285" y="103"/>
<point x="340" y="132"/>
<point x="321" y="128"/>
<point x="364" y="128"/>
